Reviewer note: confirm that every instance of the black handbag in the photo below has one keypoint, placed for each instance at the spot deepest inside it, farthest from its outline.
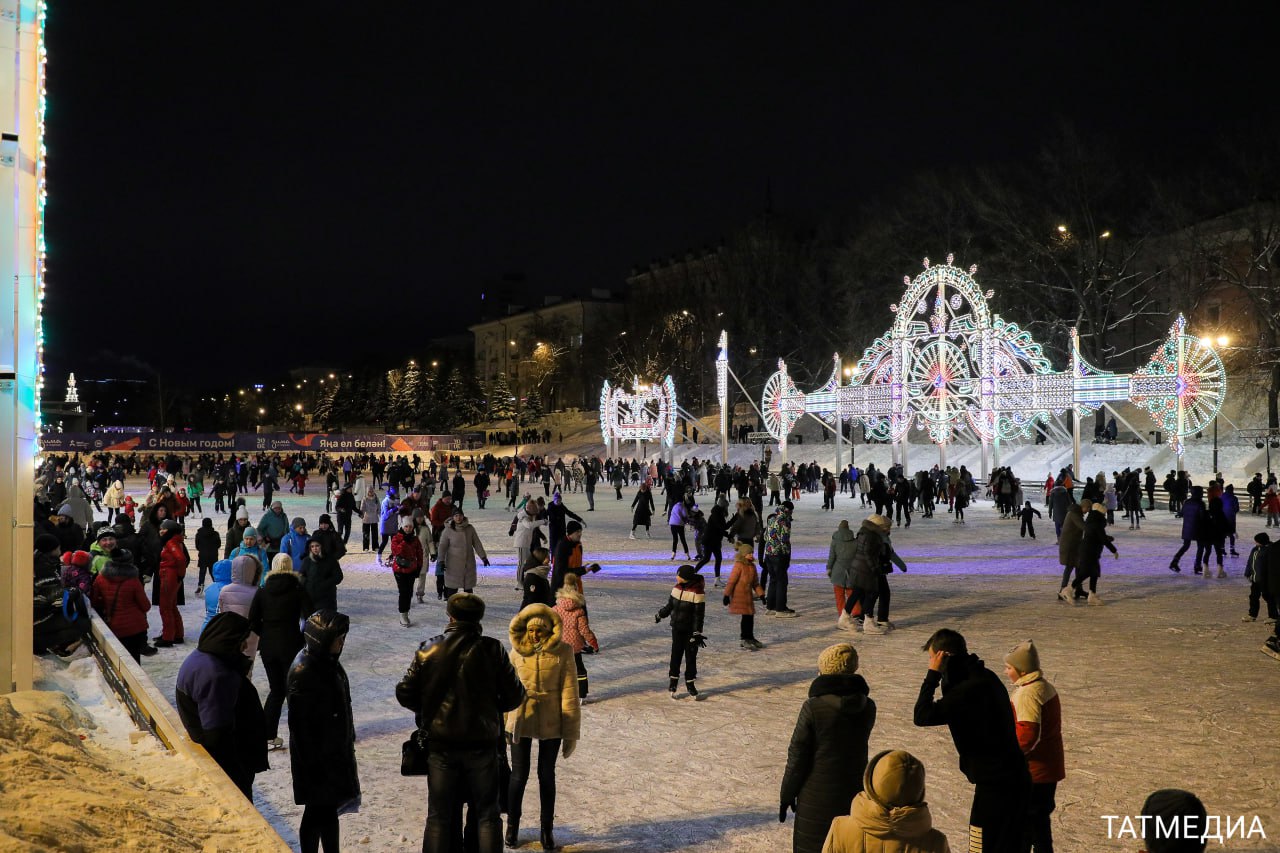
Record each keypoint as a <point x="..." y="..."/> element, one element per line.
<point x="413" y="754"/>
<point x="414" y="751"/>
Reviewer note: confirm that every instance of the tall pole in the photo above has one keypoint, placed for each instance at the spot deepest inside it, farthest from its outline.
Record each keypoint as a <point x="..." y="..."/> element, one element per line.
<point x="1215" y="446"/>
<point x="839" y="417"/>
<point x="722" y="394"/>
<point x="21" y="283"/>
<point x="1075" y="412"/>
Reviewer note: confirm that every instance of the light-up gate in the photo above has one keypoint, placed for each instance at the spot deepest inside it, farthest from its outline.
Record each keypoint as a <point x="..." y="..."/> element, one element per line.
<point x="949" y="364"/>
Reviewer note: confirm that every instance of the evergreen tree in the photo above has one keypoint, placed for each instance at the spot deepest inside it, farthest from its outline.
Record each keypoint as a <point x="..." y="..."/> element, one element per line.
<point x="430" y="411"/>
<point x="376" y="398"/>
<point x="395" y="402"/>
<point x="501" y="402"/>
<point x="532" y="412"/>
<point x="460" y="400"/>
<point x="326" y="404"/>
<point x="409" y="396"/>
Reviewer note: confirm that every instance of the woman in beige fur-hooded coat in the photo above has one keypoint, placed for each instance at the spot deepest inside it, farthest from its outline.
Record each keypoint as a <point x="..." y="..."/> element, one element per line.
<point x="550" y="712"/>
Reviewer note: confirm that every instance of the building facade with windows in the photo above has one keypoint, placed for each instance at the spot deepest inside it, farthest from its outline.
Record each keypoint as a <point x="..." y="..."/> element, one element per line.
<point x="556" y="353"/>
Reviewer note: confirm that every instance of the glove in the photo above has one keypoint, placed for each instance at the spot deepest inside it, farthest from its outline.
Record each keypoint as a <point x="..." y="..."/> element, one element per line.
<point x="568" y="748"/>
<point x="657" y="617"/>
<point x="698" y="640"/>
<point x="486" y="563"/>
<point x="782" y="811"/>
<point x="726" y="601"/>
<point x="587" y="650"/>
<point x="904" y="568"/>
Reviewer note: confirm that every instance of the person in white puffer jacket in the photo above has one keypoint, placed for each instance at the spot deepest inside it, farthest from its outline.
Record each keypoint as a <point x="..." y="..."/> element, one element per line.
<point x="527" y="522"/>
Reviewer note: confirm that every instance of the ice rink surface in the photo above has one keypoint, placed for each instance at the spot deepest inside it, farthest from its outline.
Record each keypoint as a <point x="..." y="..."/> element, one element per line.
<point x="1164" y="686"/>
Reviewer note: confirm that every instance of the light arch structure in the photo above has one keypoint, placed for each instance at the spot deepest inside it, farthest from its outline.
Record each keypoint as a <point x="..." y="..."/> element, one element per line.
<point x="950" y="365"/>
<point x="646" y="413"/>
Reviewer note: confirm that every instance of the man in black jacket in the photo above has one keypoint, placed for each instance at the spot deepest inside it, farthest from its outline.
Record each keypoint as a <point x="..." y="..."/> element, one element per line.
<point x="975" y="706"/>
<point x="459" y="685"/>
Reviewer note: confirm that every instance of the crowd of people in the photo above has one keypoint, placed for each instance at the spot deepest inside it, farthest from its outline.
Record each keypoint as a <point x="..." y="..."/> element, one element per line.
<point x="271" y="592"/>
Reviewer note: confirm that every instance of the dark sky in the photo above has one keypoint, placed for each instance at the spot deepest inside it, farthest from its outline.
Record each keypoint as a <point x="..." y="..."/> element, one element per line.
<point x="294" y="183"/>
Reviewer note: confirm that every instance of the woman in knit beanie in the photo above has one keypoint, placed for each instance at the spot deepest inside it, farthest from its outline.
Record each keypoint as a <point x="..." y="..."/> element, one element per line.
<point x="828" y="749"/>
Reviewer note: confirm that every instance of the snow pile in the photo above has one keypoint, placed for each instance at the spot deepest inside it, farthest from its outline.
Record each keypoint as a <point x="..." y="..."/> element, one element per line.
<point x="68" y="784"/>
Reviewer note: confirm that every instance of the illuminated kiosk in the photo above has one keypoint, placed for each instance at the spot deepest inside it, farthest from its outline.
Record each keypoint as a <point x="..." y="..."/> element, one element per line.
<point x="646" y="413"/>
<point x="22" y="185"/>
<point x="949" y="365"/>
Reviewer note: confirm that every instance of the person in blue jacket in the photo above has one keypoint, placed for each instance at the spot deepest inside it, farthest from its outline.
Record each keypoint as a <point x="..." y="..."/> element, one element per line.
<point x="295" y="542"/>
<point x="221" y="573"/>
<point x="388" y="520"/>
<point x="249" y="545"/>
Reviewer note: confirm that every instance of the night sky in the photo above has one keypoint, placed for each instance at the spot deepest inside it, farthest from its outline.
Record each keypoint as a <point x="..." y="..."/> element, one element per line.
<point x="292" y="186"/>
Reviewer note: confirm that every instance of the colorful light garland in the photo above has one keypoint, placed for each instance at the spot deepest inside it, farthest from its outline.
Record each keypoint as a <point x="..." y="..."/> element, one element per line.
<point x="646" y="413"/>
<point x="949" y="363"/>
<point x="42" y="200"/>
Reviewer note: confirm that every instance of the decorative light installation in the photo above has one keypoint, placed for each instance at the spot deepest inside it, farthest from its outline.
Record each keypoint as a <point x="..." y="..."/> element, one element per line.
<point x="42" y="200"/>
<point x="722" y="392"/>
<point x="646" y="413"/>
<point x="949" y="364"/>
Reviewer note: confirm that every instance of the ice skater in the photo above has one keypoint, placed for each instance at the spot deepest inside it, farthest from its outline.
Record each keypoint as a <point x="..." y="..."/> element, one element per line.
<point x="576" y="628"/>
<point x="741" y="593"/>
<point x="1089" y="563"/>
<point x="1028" y="526"/>
<point x="686" y="606"/>
<point x="1256" y="571"/>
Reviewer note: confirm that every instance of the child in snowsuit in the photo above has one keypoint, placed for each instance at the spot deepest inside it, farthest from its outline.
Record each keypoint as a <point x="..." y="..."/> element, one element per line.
<point x="959" y="502"/>
<point x="686" y="606"/>
<point x="575" y="630"/>
<point x="1027" y="525"/>
<point x="1256" y="572"/>
<point x="75" y="572"/>
<point x="741" y="592"/>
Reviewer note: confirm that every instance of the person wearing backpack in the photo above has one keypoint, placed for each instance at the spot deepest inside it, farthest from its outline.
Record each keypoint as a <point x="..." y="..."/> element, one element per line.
<point x="120" y="600"/>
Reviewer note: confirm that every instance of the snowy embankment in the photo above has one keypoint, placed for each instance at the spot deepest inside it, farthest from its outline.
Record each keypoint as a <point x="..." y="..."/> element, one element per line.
<point x="76" y="775"/>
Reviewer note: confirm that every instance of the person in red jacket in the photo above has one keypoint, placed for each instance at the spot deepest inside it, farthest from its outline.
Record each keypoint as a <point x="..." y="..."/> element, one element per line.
<point x="406" y="563"/>
<point x="122" y="603"/>
<point x="1038" y="715"/>
<point x="174" y="559"/>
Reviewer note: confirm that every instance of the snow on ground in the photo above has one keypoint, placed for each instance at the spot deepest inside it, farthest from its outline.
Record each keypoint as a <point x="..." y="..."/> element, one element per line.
<point x="1164" y="686"/>
<point x="72" y="779"/>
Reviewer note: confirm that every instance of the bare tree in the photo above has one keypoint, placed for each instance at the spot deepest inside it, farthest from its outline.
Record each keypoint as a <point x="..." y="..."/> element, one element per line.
<point x="1068" y="240"/>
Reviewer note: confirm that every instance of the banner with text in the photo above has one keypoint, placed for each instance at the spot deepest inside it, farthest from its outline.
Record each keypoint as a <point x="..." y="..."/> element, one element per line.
<point x="251" y="442"/>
